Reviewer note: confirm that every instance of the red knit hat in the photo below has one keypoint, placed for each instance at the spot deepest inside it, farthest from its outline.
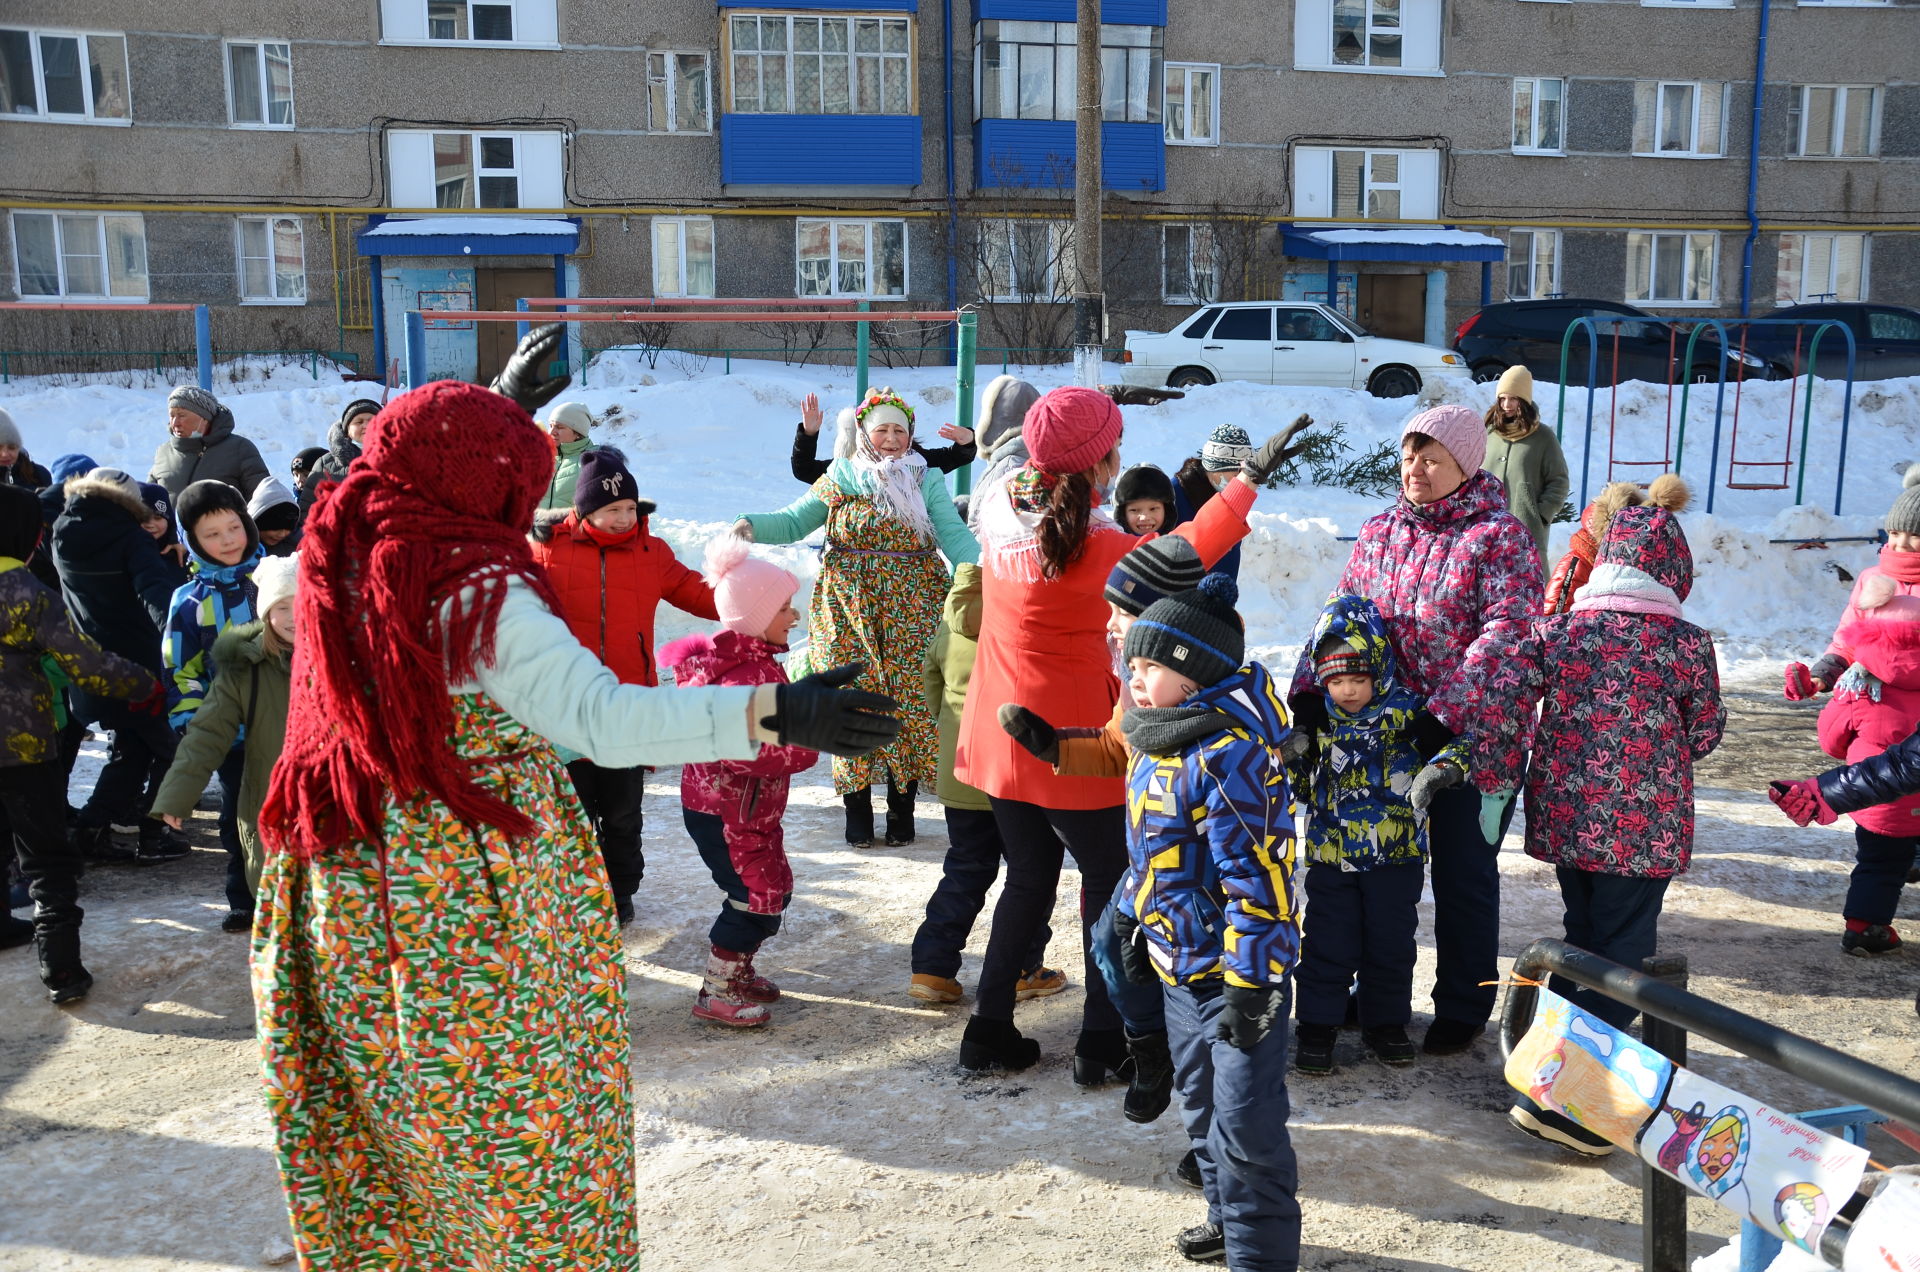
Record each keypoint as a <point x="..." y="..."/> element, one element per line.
<point x="1070" y="430"/>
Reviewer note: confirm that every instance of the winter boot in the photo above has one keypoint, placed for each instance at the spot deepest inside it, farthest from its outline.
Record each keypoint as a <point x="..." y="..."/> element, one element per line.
<point x="58" y="945"/>
<point x="1202" y="1243"/>
<point x="1389" y="1044"/>
<point x="1869" y="940"/>
<point x="159" y="842"/>
<point x="1100" y="1056"/>
<point x="1039" y="983"/>
<point x="929" y="988"/>
<point x="995" y="1046"/>
<point x="1151" y="1088"/>
<point x="1313" y="1048"/>
<point x="1188" y="1171"/>
<point x="623" y="908"/>
<point x="720" y="998"/>
<point x="95" y="846"/>
<point x="900" y="813"/>
<point x="859" y="817"/>
<point x="1545" y="1124"/>
<point x="754" y="987"/>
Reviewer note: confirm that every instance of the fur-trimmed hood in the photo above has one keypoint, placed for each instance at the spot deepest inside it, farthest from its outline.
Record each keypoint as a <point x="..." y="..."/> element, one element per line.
<point x="91" y="487"/>
<point x="1890" y="650"/>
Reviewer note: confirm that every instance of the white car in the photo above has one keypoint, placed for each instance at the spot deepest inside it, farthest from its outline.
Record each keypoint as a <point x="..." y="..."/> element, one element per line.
<point x="1269" y="342"/>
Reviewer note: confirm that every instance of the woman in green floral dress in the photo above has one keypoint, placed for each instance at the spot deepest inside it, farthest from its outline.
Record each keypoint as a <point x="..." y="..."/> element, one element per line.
<point x="878" y="595"/>
<point x="436" y="969"/>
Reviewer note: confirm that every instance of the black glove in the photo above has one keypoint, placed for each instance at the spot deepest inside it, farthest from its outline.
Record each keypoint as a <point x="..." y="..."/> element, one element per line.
<point x="1030" y="731"/>
<point x="1249" y="1014"/>
<point x="815" y="712"/>
<point x="1428" y="735"/>
<point x="1309" y="712"/>
<point x="521" y="378"/>
<point x="1275" y="451"/>
<point x="1134" y="960"/>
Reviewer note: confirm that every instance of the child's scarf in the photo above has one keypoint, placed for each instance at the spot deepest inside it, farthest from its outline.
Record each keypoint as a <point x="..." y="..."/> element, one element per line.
<point x="1902" y="567"/>
<point x="1623" y="589"/>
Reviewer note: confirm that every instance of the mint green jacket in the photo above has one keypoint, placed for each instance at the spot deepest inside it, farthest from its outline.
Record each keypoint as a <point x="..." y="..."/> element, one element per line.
<point x="809" y="512"/>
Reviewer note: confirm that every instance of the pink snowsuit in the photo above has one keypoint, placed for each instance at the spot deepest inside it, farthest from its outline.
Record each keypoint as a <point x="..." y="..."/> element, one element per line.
<point x="748" y="796"/>
<point x="1902" y="605"/>
<point x="1853" y="726"/>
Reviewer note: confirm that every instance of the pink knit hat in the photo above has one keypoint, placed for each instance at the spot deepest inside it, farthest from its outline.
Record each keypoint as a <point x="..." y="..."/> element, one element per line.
<point x="1070" y="430"/>
<point x="747" y="592"/>
<point x="1460" y="430"/>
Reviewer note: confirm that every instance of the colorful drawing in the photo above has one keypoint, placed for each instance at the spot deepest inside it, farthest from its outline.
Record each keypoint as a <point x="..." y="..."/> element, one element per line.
<point x="1576" y="1064"/>
<point x="1802" y="1211"/>
<point x="1719" y="1157"/>
<point x="1687" y="1125"/>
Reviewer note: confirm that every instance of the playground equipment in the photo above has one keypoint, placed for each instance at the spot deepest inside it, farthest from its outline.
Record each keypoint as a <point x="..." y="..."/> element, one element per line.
<point x="1673" y="445"/>
<point x="202" y="326"/>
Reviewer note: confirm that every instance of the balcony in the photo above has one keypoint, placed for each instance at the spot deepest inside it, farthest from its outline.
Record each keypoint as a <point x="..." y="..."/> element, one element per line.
<point x="1037" y="154"/>
<point x="1117" y="12"/>
<point x="821" y="150"/>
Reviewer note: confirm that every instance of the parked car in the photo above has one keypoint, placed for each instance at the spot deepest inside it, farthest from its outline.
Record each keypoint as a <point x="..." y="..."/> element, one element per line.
<point x="1269" y="342"/>
<point x="1529" y="333"/>
<point x="1886" y="340"/>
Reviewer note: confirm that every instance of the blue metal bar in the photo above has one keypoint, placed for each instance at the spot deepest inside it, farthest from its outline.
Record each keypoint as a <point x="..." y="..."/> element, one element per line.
<point x="415" y="372"/>
<point x="1753" y="161"/>
<point x="953" y="201"/>
<point x="1486" y="283"/>
<point x="520" y="329"/>
<point x="203" y="345"/>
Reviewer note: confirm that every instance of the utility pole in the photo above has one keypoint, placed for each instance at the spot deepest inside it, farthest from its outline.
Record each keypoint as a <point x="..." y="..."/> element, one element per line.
<point x="1089" y="309"/>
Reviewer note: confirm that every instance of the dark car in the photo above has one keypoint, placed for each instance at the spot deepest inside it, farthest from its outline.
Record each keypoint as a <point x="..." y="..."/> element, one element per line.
<point x="1529" y="333"/>
<point x="1886" y="340"/>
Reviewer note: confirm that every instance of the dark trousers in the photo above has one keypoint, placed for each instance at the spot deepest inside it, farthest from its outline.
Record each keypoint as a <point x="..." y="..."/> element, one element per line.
<point x="611" y="798"/>
<point x="35" y="799"/>
<point x="1234" y="1105"/>
<point x="1036" y="839"/>
<point x="1880" y="865"/>
<point x="737" y="928"/>
<point x="239" y="895"/>
<point x="974" y="853"/>
<point x="1613" y="916"/>
<point x="1142" y="1008"/>
<point x="1359" y="922"/>
<point x="1466" y="906"/>
<point x="138" y="758"/>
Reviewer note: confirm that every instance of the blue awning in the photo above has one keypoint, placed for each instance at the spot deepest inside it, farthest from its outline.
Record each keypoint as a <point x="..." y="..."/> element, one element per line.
<point x="470" y="235"/>
<point x="1392" y="245"/>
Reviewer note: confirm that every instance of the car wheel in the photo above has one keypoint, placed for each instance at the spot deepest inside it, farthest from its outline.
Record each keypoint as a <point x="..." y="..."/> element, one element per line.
<point x="1394" y="382"/>
<point x="1189" y="377"/>
<point x="1488" y="372"/>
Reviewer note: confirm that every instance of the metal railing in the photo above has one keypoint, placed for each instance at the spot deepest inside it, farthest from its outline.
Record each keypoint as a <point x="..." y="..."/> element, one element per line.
<point x="164" y="360"/>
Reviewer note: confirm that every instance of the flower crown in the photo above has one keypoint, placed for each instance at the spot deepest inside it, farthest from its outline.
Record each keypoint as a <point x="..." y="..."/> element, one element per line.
<point x="877" y="398"/>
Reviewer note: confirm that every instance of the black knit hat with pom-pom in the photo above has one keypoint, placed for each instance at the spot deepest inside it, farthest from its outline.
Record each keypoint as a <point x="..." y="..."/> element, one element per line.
<point x="1196" y="633"/>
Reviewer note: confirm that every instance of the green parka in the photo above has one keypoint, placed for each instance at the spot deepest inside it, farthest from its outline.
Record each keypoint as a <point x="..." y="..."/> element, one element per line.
<point x="1534" y="471"/>
<point x="566" y="471"/>
<point x="945" y="672"/>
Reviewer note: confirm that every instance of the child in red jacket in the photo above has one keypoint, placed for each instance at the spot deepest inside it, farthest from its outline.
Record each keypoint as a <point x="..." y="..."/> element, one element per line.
<point x="733" y="808"/>
<point x="611" y="575"/>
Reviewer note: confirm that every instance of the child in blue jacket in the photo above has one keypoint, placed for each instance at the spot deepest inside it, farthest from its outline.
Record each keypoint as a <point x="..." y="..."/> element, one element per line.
<point x="1212" y="915"/>
<point x="223" y="547"/>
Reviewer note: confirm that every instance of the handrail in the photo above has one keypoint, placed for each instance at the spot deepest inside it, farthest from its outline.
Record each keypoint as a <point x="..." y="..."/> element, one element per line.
<point x="694" y="302"/>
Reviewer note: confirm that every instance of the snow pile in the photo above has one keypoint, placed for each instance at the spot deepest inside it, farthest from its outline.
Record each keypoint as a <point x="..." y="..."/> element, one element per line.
<point x="1790" y="1259"/>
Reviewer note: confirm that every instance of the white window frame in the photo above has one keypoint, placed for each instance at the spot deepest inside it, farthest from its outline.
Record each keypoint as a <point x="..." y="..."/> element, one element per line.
<point x="1535" y="240"/>
<point x="1533" y="114"/>
<point x="1686" y="4"/>
<point x="1188" y="72"/>
<point x="41" y="115"/>
<point x="513" y="18"/>
<point x="1843" y="4"/>
<point x="671" y="76"/>
<point x="1844" y="95"/>
<point x="787" y="54"/>
<point x="261" y="78"/>
<point x="240" y="224"/>
<point x="1422" y="44"/>
<point x="1659" y="119"/>
<point x="680" y="223"/>
<point x="59" y="221"/>
<point x="1134" y="49"/>
<point x="475" y="142"/>
<point x="1057" y="264"/>
<point x="1195" y="231"/>
<point x="833" y="225"/>
<point x="1650" y="297"/>
<point x="536" y="25"/>
<point x="1316" y="181"/>
<point x="1796" y="245"/>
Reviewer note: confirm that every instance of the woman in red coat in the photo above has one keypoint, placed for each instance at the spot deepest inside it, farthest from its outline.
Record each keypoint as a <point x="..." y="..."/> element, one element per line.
<point x="1047" y="548"/>
<point x="611" y="575"/>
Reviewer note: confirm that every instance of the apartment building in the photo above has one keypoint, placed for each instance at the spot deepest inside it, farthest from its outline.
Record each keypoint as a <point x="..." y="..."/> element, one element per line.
<point x="314" y="172"/>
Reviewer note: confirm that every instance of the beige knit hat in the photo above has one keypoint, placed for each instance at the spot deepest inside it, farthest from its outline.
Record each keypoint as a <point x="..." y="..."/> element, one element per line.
<point x="1515" y="382"/>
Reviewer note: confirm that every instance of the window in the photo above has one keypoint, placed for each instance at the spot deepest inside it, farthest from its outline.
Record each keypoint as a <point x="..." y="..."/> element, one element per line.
<point x="1833" y="121"/>
<point x="470" y="20"/>
<point x="64" y="77"/>
<point x="259" y="84"/>
<point x="1303" y="326"/>
<point x="1817" y="267"/>
<point x="1192" y="105"/>
<point x="76" y="257"/>
<point x="273" y="260"/>
<point x="682" y="256"/>
<point x="1026" y="71"/>
<point x="852" y="258"/>
<point x="784" y="65"/>
<point x="1891" y="324"/>
<point x="1687" y="4"/>
<point x="1366" y="185"/>
<point x="1395" y="37"/>
<point x="1538" y="116"/>
<point x="1244" y="324"/>
<point x="1189" y="265"/>
<point x="1679" y="120"/>
<point x="1022" y="260"/>
<point x="475" y="170"/>
<point x="1533" y="264"/>
<point x="677" y="93"/>
<point x="1671" y="269"/>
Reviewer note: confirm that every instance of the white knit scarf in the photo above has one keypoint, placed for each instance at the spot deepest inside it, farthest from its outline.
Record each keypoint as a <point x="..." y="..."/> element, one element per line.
<point x="892" y="482"/>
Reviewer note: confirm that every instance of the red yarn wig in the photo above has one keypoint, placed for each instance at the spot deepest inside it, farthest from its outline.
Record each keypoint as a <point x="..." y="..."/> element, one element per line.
<point x="437" y="506"/>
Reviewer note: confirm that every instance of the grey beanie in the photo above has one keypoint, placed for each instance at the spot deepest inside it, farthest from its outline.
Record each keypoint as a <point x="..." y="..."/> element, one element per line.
<point x="1196" y="633"/>
<point x="1227" y="448"/>
<point x="1152" y="572"/>
<point x="1904" y="516"/>
<point x="9" y="431"/>
<point x="191" y="397"/>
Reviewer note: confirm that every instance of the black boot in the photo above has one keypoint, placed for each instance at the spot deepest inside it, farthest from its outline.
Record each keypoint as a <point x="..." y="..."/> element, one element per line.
<point x="58" y="945"/>
<point x="159" y="843"/>
<point x="900" y="813"/>
<point x="859" y="817"/>
<point x="1100" y="1056"/>
<point x="1152" y="1087"/>
<point x="1313" y="1048"/>
<point x="995" y="1046"/>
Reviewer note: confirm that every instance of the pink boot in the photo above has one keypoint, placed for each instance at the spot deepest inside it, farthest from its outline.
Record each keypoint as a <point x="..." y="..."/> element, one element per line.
<point x="754" y="987"/>
<point x="721" y="999"/>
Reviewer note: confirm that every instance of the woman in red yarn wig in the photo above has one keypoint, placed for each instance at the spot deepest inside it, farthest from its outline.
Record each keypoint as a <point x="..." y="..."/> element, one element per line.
<point x="437" y="974"/>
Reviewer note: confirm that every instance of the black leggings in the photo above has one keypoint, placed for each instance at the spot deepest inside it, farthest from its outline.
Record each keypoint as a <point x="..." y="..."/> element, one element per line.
<point x="1036" y="840"/>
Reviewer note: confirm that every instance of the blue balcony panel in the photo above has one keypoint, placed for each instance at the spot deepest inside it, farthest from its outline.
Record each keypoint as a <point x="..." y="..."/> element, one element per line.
<point x="822" y="150"/>
<point x="846" y="6"/>
<point x="1038" y="154"/>
<point x="1116" y="12"/>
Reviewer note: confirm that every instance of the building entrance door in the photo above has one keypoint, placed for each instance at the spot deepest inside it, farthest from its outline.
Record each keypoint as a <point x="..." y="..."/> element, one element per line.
<point x="501" y="289"/>
<point x="1394" y="305"/>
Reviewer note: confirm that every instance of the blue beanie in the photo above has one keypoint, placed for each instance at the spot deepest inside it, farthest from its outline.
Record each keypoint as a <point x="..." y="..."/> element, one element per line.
<point x="71" y="466"/>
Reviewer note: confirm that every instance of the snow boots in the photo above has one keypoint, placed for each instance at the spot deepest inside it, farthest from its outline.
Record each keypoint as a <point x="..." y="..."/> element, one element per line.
<point x="1202" y="1243"/>
<point x="754" y="987"/>
<point x="1869" y="940"/>
<point x="900" y="813"/>
<point x="1313" y="1048"/>
<point x="726" y="992"/>
<point x="859" y="817"/>
<point x="58" y="945"/>
<point x="1151" y="1088"/>
<point x="995" y="1046"/>
<point x="1101" y="1056"/>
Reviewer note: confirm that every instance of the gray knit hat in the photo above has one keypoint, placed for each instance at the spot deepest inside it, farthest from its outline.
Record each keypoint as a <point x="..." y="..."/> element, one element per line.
<point x="9" y="431"/>
<point x="1196" y="633"/>
<point x="1152" y="572"/>
<point x="1904" y="516"/>
<point x="1227" y="447"/>
<point x="191" y="397"/>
